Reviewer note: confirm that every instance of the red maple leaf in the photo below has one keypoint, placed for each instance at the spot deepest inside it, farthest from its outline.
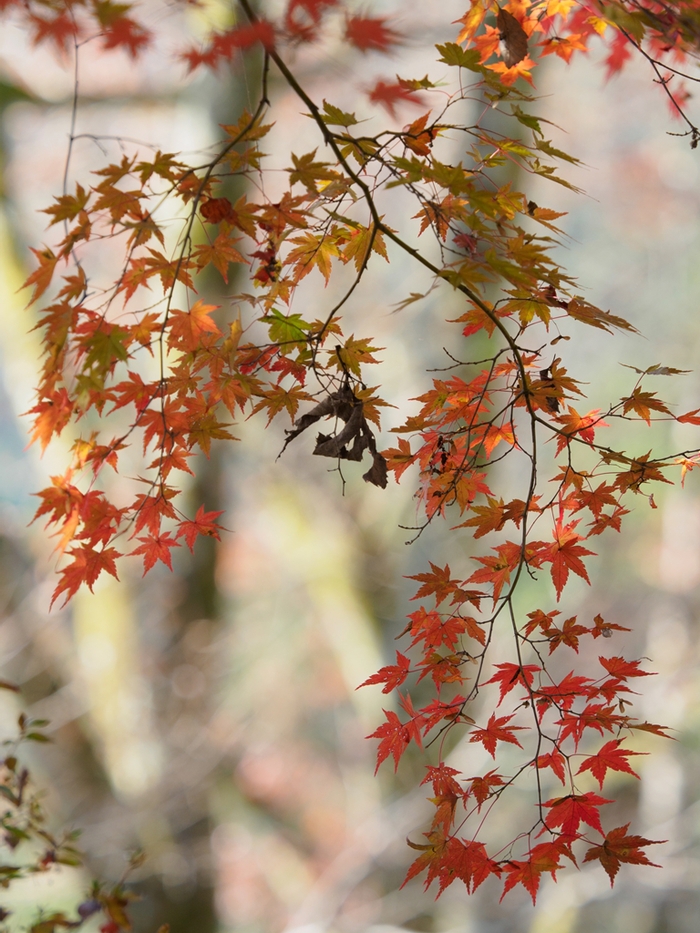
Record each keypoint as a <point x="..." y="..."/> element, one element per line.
<point x="619" y="847"/>
<point x="204" y="523"/>
<point x="60" y="29"/>
<point x="394" y="738"/>
<point x="554" y="760"/>
<point x="126" y="33"/>
<point x="620" y="51"/>
<point x="303" y="17"/>
<point x="510" y="675"/>
<point x="610" y="758"/>
<point x="596" y="716"/>
<point x="370" y="33"/>
<point x="482" y="786"/>
<point x="466" y="861"/>
<point x="392" y="676"/>
<point x="437" y="710"/>
<point x="494" y="732"/>
<point x="570" y="811"/>
<point x="434" y="630"/>
<point x="568" y="690"/>
<point x="390" y="95"/>
<point x="442" y="777"/>
<point x="543" y="857"/>
<point x="622" y="669"/>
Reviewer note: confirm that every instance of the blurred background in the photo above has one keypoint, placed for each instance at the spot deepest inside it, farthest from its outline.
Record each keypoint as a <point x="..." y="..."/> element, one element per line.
<point x="211" y="716"/>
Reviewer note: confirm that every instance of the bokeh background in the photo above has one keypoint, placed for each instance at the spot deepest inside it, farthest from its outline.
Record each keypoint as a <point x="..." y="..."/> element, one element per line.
<point x="211" y="716"/>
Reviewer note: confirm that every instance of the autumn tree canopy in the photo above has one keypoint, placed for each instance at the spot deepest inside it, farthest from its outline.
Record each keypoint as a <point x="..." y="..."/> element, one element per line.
<point x="142" y="361"/>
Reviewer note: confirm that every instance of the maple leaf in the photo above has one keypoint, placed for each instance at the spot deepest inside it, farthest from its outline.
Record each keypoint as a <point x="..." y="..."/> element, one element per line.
<point x="619" y="53"/>
<point x="437" y="710"/>
<point x="495" y="434"/>
<point x="488" y="518"/>
<point x="389" y="95"/>
<point x="467" y="861"/>
<point x="430" y="857"/>
<point x="217" y="209"/>
<point x="392" y="676"/>
<point x="554" y="760"/>
<point x="496" y="731"/>
<point x="434" y="630"/>
<point x="606" y="629"/>
<point x="313" y="249"/>
<point x="510" y="675"/>
<point x="596" y="499"/>
<point x="566" y="635"/>
<point x="442" y="777"/>
<point x="86" y="566"/>
<point x="204" y="523"/>
<point x="617" y="848"/>
<point x="497" y="570"/>
<point x="60" y="29"/>
<point x="394" y="739"/>
<point x="565" y="555"/>
<point x="544" y="857"/>
<point x="151" y="510"/>
<point x="364" y="241"/>
<point x="371" y="33"/>
<point x="643" y="403"/>
<point x="399" y="458"/>
<point x="279" y="399"/>
<point x="124" y="32"/>
<point x="353" y="354"/>
<point x="304" y="16"/>
<point x="41" y="277"/>
<point x="308" y="172"/>
<point x="610" y="758"/>
<point x="566" y="691"/>
<point x="53" y="413"/>
<point x="482" y="787"/>
<point x="570" y="811"/>
<point x="622" y="669"/>
<point x="135" y="392"/>
<point x="188" y="327"/>
<point x="221" y="253"/>
<point x="438" y="583"/>
<point x="596" y="716"/>
<point x="443" y="669"/>
<point x="420" y="140"/>
<point x="154" y="548"/>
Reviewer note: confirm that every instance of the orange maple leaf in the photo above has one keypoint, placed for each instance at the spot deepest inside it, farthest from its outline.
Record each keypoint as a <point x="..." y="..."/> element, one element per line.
<point x="41" y="277"/>
<point x="187" y="328"/>
<point x="204" y="523"/>
<point x="565" y="555"/>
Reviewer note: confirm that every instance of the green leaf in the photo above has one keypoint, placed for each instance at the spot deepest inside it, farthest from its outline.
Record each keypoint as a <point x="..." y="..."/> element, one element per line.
<point x="37" y="737"/>
<point x="527" y="119"/>
<point x="455" y="55"/>
<point x="334" y="116"/>
<point x="286" y="330"/>
<point x="549" y="149"/>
